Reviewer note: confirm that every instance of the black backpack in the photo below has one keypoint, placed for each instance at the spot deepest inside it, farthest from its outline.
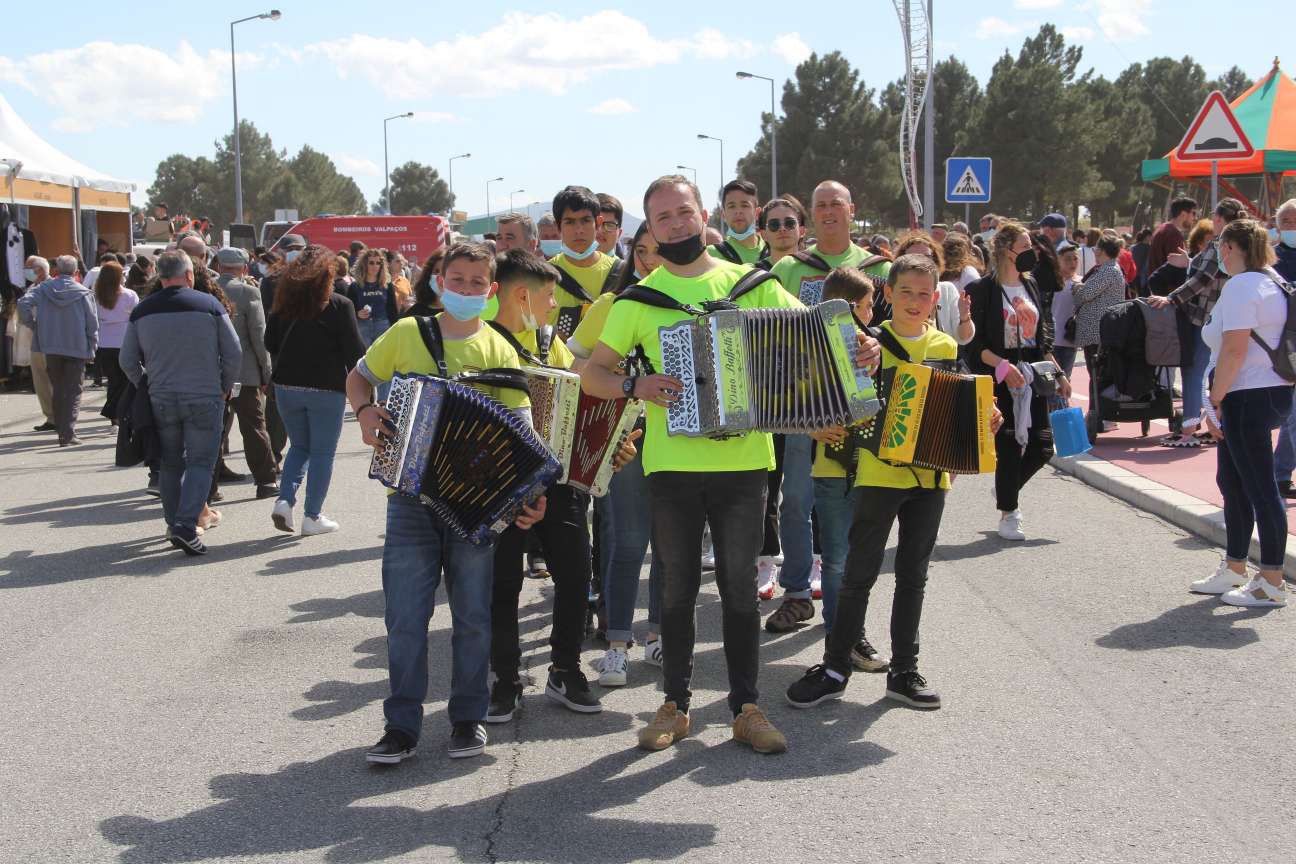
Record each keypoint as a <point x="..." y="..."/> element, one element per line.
<point x="1283" y="355"/>
<point x="430" y="330"/>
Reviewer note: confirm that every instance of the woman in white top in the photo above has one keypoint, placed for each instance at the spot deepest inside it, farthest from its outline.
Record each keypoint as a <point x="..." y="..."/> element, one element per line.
<point x="1250" y="400"/>
<point x="115" y="303"/>
<point x="953" y="308"/>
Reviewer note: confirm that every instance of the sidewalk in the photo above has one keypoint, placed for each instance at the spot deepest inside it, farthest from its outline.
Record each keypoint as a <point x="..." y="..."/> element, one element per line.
<point x="1177" y="485"/>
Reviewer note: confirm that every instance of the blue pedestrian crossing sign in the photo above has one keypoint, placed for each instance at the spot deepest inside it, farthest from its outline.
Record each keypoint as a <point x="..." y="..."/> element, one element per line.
<point x="967" y="180"/>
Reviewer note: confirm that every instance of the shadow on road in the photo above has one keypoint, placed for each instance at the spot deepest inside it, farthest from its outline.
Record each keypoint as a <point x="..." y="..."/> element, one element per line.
<point x="1204" y="624"/>
<point x="989" y="544"/>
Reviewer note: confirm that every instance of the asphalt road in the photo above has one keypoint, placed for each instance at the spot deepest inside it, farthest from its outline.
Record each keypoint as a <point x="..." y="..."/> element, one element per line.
<point x="165" y="709"/>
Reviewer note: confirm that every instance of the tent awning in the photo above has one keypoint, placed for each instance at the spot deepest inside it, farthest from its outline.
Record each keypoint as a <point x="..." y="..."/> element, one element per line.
<point x="25" y="155"/>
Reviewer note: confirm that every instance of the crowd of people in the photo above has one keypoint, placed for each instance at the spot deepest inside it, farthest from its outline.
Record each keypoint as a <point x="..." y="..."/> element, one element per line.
<point x="283" y="341"/>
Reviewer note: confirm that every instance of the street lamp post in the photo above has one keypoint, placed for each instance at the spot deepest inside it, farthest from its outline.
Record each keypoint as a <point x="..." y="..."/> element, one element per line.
<point x="720" y="189"/>
<point x="273" y="15"/>
<point x="511" y="194"/>
<point x="773" y="134"/>
<point x="488" y="184"/>
<point x="451" y="175"/>
<point x="386" y="170"/>
<point x="689" y="168"/>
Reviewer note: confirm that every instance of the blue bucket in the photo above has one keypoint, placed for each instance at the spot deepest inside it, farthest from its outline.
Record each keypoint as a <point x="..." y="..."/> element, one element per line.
<point x="1070" y="438"/>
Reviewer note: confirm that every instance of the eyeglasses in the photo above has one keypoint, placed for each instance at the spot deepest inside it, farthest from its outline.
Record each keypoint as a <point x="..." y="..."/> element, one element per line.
<point x="788" y="224"/>
<point x="609" y="226"/>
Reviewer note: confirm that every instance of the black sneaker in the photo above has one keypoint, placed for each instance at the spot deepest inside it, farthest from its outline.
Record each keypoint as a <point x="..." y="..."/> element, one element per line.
<point x="267" y="490"/>
<point x="467" y="739"/>
<point x="913" y="690"/>
<point x="569" y="688"/>
<point x="504" y="700"/>
<point x="815" y="686"/>
<point x="44" y="427"/>
<point x="391" y="749"/>
<point x="1285" y="489"/>
<point x="866" y="658"/>
<point x="189" y="545"/>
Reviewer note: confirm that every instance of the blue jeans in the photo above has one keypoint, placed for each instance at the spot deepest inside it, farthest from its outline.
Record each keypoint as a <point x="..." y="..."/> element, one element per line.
<point x="370" y="329"/>
<point x="1285" y="453"/>
<point x="1245" y="473"/>
<point x="1065" y="357"/>
<point x="795" y="529"/>
<point x="314" y="422"/>
<point x="630" y="507"/>
<point x="418" y="547"/>
<point x="1192" y="382"/>
<point x="833" y="497"/>
<point x="189" y="430"/>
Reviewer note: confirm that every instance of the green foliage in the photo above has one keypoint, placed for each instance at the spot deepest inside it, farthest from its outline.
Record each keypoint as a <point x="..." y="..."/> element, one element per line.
<point x="416" y="189"/>
<point x="308" y="182"/>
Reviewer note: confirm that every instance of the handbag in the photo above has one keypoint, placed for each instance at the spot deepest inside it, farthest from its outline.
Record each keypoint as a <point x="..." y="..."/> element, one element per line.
<point x="1046" y="378"/>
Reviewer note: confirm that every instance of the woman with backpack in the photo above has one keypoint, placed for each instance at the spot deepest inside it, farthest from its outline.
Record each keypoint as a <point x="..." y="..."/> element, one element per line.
<point x="1248" y="399"/>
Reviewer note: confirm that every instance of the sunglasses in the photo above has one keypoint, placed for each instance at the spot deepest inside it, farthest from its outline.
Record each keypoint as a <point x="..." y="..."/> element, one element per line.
<point x="789" y="224"/>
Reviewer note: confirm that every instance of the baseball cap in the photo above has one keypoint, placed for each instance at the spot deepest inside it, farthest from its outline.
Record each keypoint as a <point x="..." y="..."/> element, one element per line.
<point x="292" y="240"/>
<point x="231" y="256"/>
<point x="1053" y="220"/>
<point x="1065" y="246"/>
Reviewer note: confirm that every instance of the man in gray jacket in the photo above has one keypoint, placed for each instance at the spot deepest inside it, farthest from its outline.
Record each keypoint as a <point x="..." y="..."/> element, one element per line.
<point x="187" y="344"/>
<point x="254" y="375"/>
<point x="62" y="313"/>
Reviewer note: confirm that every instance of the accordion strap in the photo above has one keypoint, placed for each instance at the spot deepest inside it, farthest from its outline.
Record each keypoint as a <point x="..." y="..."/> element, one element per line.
<point x="533" y="359"/>
<point x="430" y="330"/>
<point x="652" y="297"/>
<point x="574" y="288"/>
<point x="509" y="379"/>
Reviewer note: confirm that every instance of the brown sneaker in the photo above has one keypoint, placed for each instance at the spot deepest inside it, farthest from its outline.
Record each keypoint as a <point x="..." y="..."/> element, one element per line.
<point x="754" y="729"/>
<point x="669" y="726"/>
<point x="791" y="614"/>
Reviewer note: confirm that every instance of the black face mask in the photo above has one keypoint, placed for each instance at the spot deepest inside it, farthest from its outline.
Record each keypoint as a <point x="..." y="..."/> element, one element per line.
<point x="683" y="252"/>
<point x="1026" y="261"/>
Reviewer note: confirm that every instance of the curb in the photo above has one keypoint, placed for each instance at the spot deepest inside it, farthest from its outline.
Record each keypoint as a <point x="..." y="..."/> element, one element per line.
<point x="1178" y="508"/>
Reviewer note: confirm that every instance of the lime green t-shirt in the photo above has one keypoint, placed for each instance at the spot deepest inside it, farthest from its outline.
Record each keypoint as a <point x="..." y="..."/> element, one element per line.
<point x="748" y="254"/>
<point x="932" y="345"/>
<point x="806" y="282"/>
<point x="630" y="324"/>
<point x="559" y="355"/>
<point x="401" y="349"/>
<point x="590" y="278"/>
<point x="588" y="331"/>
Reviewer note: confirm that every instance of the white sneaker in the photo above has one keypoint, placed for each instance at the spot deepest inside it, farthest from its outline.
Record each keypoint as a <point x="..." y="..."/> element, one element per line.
<point x="1109" y="426"/>
<point x="1257" y="592"/>
<point x="612" y="668"/>
<point x="1010" y="526"/>
<point x="765" y="579"/>
<point x="282" y="516"/>
<point x="653" y="652"/>
<point x="320" y="524"/>
<point x="816" y="578"/>
<point x="1219" y="582"/>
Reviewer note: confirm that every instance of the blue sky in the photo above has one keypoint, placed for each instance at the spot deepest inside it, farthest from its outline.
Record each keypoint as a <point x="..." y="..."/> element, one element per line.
<point x="608" y="96"/>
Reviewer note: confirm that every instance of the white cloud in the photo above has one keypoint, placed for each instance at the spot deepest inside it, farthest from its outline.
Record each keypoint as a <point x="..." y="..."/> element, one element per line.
<point x="357" y="166"/>
<point x="547" y="52"/>
<point x="1037" y="4"/>
<point x="997" y="28"/>
<point x="1122" y="20"/>
<point x="434" y="117"/>
<point x="609" y="107"/>
<point x="1077" y="34"/>
<point x="98" y="84"/>
<point x="791" y="47"/>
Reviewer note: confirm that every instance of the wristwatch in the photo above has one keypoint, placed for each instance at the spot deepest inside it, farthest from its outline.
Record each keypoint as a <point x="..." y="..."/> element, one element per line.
<point x="628" y="386"/>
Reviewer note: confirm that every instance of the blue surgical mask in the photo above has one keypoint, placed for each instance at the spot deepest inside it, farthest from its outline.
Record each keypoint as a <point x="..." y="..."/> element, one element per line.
<point x="463" y="307"/>
<point x="1273" y="236"/>
<point x="1288" y="238"/>
<point x="638" y="276"/>
<point x="29" y="274"/>
<point x="579" y="256"/>
<point x="550" y="248"/>
<point x="751" y="229"/>
<point x="291" y="255"/>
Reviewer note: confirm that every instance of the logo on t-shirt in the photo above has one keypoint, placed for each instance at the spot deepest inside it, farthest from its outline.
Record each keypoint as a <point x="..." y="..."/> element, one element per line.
<point x="1023" y="318"/>
<point x="811" y="291"/>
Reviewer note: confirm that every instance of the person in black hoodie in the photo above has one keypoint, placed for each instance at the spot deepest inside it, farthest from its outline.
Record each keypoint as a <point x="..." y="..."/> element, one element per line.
<point x="1012" y="329"/>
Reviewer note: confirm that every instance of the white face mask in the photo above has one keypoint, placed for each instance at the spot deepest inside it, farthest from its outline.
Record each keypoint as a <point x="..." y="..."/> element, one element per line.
<point x="529" y="321"/>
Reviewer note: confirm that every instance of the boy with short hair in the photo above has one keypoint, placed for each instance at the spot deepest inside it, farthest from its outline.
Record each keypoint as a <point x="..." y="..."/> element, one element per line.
<point x="418" y="545"/>
<point x="743" y="243"/>
<point x="885" y="493"/>
<point x="526" y="296"/>
<point x="585" y="271"/>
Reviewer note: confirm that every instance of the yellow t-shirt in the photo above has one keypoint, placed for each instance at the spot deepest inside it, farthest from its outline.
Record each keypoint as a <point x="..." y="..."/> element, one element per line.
<point x="630" y="324"/>
<point x="932" y="345"/>
<point x="401" y="349"/>
<point x="587" y="333"/>
<point x="559" y="356"/>
<point x="590" y="278"/>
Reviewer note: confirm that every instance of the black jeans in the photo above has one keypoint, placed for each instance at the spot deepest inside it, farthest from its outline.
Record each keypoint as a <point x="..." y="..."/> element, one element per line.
<point x="564" y="533"/>
<point x="774" y="482"/>
<point x="876" y="510"/>
<point x="1017" y="465"/>
<point x="109" y="367"/>
<point x="1245" y="473"/>
<point x="733" y="503"/>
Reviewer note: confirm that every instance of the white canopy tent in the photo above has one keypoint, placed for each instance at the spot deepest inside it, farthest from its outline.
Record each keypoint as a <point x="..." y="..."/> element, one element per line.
<point x="68" y="205"/>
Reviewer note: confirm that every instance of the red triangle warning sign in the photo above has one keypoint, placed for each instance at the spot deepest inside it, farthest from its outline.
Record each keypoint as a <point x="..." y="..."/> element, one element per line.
<point x="1214" y="134"/>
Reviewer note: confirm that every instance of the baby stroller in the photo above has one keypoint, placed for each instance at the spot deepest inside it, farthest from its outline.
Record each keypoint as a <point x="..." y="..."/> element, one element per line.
<point x="1138" y="345"/>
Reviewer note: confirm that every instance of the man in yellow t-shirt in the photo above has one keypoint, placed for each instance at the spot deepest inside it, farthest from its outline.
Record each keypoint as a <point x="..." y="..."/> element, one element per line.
<point x="803" y="275"/>
<point x="743" y="243"/>
<point x="883" y="495"/>
<point x="418" y="545"/>
<point x="694" y="481"/>
<point x="586" y="272"/>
